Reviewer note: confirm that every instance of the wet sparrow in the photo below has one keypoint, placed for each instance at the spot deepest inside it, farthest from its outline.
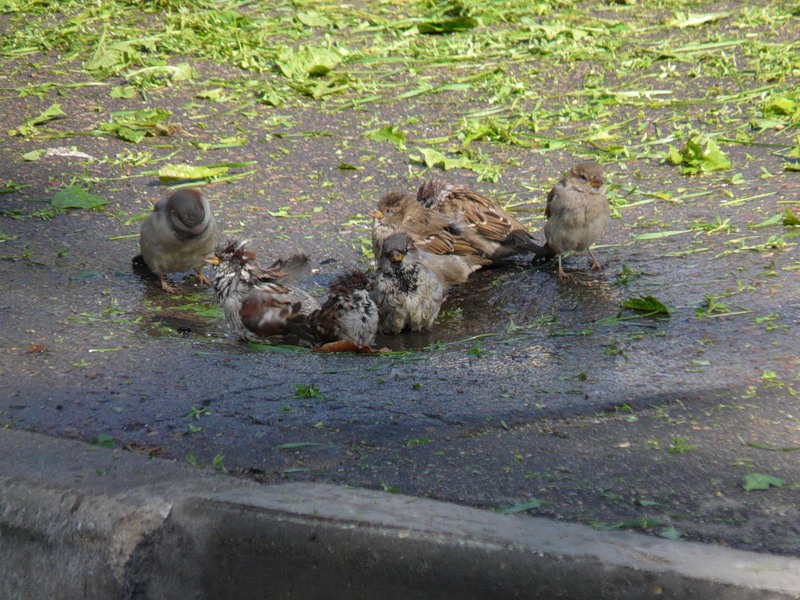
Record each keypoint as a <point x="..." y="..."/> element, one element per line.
<point x="407" y="293"/>
<point x="348" y="314"/>
<point x="577" y="213"/>
<point x="178" y="235"/>
<point x="438" y="241"/>
<point x="483" y="223"/>
<point x="256" y="305"/>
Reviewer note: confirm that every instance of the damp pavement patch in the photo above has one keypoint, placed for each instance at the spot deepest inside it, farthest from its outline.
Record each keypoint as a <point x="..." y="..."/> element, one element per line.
<point x="86" y="521"/>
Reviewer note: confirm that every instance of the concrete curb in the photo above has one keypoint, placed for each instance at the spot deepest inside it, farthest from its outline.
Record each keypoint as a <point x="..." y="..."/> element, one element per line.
<point x="78" y="521"/>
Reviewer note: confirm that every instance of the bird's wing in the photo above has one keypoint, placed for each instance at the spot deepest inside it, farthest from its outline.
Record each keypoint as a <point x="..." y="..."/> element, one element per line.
<point x="484" y="215"/>
<point x="266" y="315"/>
<point x="444" y="242"/>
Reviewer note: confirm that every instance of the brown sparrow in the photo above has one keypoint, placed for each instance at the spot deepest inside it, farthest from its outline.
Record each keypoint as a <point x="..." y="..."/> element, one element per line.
<point x="348" y="314"/>
<point x="256" y="305"/>
<point x="577" y="213"/>
<point x="407" y="293"/>
<point x="483" y="223"/>
<point x="440" y="246"/>
<point x="178" y="235"/>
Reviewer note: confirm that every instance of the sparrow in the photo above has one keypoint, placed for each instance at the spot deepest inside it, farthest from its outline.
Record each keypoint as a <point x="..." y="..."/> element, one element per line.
<point x="438" y="241"/>
<point x="487" y="226"/>
<point x="257" y="306"/>
<point x="178" y="235"/>
<point x="407" y="293"/>
<point x="577" y="214"/>
<point x="348" y="314"/>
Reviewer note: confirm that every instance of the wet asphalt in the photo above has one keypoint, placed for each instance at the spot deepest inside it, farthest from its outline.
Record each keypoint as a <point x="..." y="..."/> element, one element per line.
<point x="527" y="389"/>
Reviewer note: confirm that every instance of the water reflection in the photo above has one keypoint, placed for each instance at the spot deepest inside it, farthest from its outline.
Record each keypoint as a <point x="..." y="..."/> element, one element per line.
<point x="509" y="305"/>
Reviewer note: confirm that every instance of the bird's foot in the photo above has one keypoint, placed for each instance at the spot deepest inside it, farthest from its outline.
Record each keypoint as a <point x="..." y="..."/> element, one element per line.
<point x="205" y="280"/>
<point x="596" y="264"/>
<point x="166" y="286"/>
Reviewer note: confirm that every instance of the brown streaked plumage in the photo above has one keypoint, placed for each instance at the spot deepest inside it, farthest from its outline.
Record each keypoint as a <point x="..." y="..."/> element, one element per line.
<point x="407" y="293"/>
<point x="256" y="304"/>
<point x="348" y="313"/>
<point x="483" y="223"/>
<point x="438" y="240"/>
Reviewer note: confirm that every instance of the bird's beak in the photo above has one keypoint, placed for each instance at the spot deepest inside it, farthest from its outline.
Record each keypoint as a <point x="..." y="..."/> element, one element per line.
<point x="212" y="260"/>
<point x="396" y="256"/>
<point x="376" y="214"/>
<point x="596" y="182"/>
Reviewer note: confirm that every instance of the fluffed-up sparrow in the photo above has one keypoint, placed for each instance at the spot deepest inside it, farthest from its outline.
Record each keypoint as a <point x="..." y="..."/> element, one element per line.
<point x="438" y="241"/>
<point x="178" y="235"/>
<point x="348" y="314"/>
<point x="256" y="304"/>
<point x="577" y="213"/>
<point x="486" y="225"/>
<point x="407" y="293"/>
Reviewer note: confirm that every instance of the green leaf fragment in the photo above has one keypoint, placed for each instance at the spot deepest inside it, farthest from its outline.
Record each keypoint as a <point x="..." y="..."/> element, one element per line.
<point x="773" y="220"/>
<point x="293" y="445"/>
<point x="433" y="158"/>
<point x="28" y="128"/>
<point x="671" y="533"/>
<point x="312" y="18"/>
<point x="120" y="92"/>
<point x="117" y="55"/>
<point x="307" y="61"/>
<point x="644" y="502"/>
<point x="772" y="448"/>
<point x="647" y="304"/>
<point x="134" y="125"/>
<point x="33" y="155"/>
<point x="200" y="310"/>
<point x="448" y="25"/>
<point x="104" y="440"/>
<point x="795" y="151"/>
<point x="76" y="197"/>
<point x="780" y="106"/>
<point x="551" y="32"/>
<point x="694" y="158"/>
<point x="655" y="235"/>
<point x="761" y="481"/>
<point x="694" y="20"/>
<point x="302" y="390"/>
<point x="229" y="142"/>
<point x="51" y="113"/>
<point x="388" y="133"/>
<point x="790" y="219"/>
<point x="131" y="135"/>
<point x="173" y="172"/>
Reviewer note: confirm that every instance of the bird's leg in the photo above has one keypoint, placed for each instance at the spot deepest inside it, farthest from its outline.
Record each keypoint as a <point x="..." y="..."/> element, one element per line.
<point x="596" y="264"/>
<point x="165" y="285"/>
<point x="204" y="279"/>
<point x="561" y="273"/>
